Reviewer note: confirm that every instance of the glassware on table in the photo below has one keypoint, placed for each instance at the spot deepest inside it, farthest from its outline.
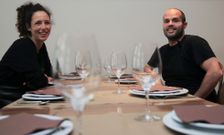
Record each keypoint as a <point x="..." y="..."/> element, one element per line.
<point x="63" y="59"/>
<point x="79" y="95"/>
<point x="146" y="80"/>
<point x="86" y="61"/>
<point x="157" y="70"/>
<point x="107" y="67"/>
<point x="83" y="63"/>
<point x="118" y="66"/>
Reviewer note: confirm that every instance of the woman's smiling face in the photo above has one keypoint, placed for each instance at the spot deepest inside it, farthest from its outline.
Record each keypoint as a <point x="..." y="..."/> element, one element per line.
<point x="40" y="27"/>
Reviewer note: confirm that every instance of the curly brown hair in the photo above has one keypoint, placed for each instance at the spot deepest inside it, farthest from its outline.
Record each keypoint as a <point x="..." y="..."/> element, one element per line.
<point x="24" y="16"/>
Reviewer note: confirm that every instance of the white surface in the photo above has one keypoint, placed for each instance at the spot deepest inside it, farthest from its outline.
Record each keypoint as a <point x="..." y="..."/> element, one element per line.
<point x="67" y="124"/>
<point x="41" y="97"/>
<point x="188" y="129"/>
<point x="161" y="93"/>
<point x="198" y="124"/>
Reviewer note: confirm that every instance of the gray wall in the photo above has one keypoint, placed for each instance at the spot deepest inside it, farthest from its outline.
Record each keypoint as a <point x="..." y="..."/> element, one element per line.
<point x="120" y="24"/>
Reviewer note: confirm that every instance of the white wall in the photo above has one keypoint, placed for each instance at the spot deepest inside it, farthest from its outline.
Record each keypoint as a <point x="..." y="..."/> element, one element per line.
<point x="120" y="24"/>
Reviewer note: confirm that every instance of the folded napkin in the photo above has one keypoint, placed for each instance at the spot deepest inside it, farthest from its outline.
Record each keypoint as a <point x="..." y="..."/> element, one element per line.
<point x="23" y="123"/>
<point x="42" y="110"/>
<point x="47" y="91"/>
<point x="157" y="87"/>
<point x="200" y="113"/>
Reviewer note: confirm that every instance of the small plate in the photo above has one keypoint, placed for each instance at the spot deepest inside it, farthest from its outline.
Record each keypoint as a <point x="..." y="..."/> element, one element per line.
<point x="70" y="77"/>
<point x="188" y="129"/>
<point x="198" y="124"/>
<point x="161" y="93"/>
<point x="41" y="97"/>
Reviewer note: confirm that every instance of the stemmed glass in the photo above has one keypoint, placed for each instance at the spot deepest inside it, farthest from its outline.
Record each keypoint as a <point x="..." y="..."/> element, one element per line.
<point x="157" y="70"/>
<point x="107" y="67"/>
<point x="83" y="63"/>
<point x="118" y="66"/>
<point x="146" y="80"/>
<point x="86" y="61"/>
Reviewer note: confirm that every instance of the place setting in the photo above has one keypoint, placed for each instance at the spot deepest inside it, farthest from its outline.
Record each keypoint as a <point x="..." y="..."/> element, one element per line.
<point x="146" y="81"/>
<point x="45" y="94"/>
<point x="112" y="75"/>
<point x="196" y="119"/>
<point x="42" y="124"/>
<point x="159" y="91"/>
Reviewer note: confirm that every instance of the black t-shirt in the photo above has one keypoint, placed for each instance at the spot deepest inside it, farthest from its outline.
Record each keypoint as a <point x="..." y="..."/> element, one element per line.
<point x="22" y="64"/>
<point x="181" y="63"/>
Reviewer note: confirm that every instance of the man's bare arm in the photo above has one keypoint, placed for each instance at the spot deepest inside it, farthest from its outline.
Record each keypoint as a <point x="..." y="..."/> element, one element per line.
<point x="211" y="78"/>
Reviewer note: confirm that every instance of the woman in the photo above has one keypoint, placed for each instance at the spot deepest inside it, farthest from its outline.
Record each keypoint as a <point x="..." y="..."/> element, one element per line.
<point x="26" y="65"/>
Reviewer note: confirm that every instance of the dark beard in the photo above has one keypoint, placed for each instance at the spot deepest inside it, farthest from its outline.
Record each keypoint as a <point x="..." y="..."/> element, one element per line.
<point x="176" y="36"/>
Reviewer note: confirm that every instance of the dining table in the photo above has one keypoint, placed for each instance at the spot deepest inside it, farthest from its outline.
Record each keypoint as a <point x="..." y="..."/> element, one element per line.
<point x="112" y="114"/>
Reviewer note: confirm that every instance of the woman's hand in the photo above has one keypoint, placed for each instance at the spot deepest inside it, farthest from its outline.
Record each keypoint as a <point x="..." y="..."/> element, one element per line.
<point x="50" y="79"/>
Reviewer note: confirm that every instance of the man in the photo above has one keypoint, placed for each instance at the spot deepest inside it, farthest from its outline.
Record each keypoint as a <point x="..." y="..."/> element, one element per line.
<point x="188" y="61"/>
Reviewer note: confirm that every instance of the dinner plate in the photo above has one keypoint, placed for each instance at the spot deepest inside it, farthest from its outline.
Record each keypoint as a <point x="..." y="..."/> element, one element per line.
<point x="167" y="93"/>
<point x="67" y="125"/>
<point x="188" y="129"/>
<point x="70" y="77"/>
<point x="41" y="97"/>
<point x="126" y="81"/>
<point x="198" y="124"/>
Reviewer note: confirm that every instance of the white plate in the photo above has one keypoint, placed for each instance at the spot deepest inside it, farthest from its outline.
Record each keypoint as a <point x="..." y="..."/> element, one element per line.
<point x="41" y="97"/>
<point x="198" y="124"/>
<point x="67" y="125"/>
<point x="126" y="81"/>
<point x="71" y="77"/>
<point x="160" y="93"/>
<point x="188" y="129"/>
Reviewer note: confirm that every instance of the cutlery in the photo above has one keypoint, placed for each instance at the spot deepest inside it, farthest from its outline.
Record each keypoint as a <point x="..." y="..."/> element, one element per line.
<point x="33" y="102"/>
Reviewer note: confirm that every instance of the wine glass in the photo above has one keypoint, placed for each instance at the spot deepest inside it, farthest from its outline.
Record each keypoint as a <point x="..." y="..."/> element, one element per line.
<point x="118" y="66"/>
<point x="86" y="61"/>
<point x="63" y="62"/>
<point x="157" y="70"/>
<point x="107" y="67"/>
<point x="146" y="80"/>
<point x="83" y="63"/>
